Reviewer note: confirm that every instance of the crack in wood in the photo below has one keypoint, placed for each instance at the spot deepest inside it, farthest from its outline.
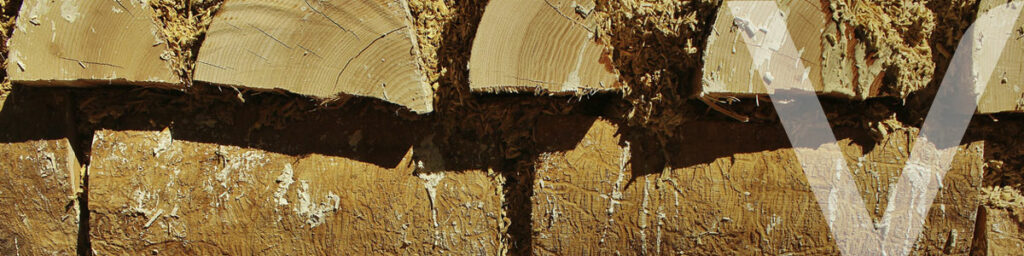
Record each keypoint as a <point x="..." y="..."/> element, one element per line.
<point x="567" y="17"/>
<point x="331" y="20"/>
<point x="124" y="7"/>
<point x="90" y="62"/>
<point x="310" y="51"/>
<point x="532" y="80"/>
<point x="270" y="36"/>
<point x="338" y="79"/>
<point x="257" y="55"/>
<point x="216" y="66"/>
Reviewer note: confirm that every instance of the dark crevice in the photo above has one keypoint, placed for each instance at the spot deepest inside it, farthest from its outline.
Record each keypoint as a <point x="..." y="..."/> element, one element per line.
<point x="80" y="139"/>
<point x="518" y="206"/>
<point x="84" y="242"/>
<point x="979" y="246"/>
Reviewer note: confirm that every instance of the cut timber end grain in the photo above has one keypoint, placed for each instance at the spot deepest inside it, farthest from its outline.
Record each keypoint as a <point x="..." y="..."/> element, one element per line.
<point x="835" y="62"/>
<point x="539" y="45"/>
<point x="75" y="43"/>
<point x="1004" y="91"/>
<point x="317" y="48"/>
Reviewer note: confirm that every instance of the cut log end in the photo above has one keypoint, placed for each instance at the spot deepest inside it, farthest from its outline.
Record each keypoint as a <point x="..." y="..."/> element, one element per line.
<point x="59" y="43"/>
<point x="317" y="49"/>
<point x="540" y="47"/>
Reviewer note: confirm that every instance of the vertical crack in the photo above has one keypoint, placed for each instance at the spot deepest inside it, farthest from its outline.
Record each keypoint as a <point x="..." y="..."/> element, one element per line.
<point x="84" y="243"/>
<point x="979" y="245"/>
<point x="518" y="208"/>
<point x="80" y="138"/>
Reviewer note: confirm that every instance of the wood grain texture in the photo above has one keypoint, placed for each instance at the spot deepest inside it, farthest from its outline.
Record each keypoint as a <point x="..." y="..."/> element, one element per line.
<point x="40" y="182"/>
<point x="836" y="63"/>
<point x="80" y="43"/>
<point x="738" y="192"/>
<point x="40" y="176"/>
<point x="317" y="48"/>
<point x="539" y="46"/>
<point x="153" y="193"/>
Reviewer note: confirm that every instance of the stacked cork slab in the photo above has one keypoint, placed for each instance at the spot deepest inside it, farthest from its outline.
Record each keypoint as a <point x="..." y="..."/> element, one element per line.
<point x="317" y="48"/>
<point x="79" y="43"/>
<point x="539" y="46"/>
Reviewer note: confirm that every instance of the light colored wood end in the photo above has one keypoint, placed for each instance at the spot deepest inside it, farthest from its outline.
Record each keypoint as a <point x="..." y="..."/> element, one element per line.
<point x="319" y="49"/>
<point x="539" y="46"/>
<point x="834" y="61"/>
<point x="82" y="43"/>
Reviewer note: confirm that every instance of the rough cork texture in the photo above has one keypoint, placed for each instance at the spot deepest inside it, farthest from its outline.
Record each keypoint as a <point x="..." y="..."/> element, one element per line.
<point x="183" y="25"/>
<point x="79" y="43"/>
<point x="889" y="38"/>
<point x="540" y="47"/>
<point x="656" y="48"/>
<point x="319" y="49"/>
<point x="154" y="194"/>
<point x="10" y="11"/>
<point x="588" y="201"/>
